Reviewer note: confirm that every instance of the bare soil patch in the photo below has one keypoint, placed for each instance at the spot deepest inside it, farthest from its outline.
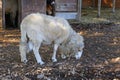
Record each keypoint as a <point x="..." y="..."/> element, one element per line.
<point x="100" y="60"/>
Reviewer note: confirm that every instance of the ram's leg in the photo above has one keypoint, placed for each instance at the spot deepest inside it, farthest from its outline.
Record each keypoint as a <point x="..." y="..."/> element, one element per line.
<point x="54" y="53"/>
<point x="36" y="53"/>
<point x="78" y="54"/>
<point x="29" y="46"/>
<point x="63" y="56"/>
<point x="62" y="51"/>
<point x="23" y="50"/>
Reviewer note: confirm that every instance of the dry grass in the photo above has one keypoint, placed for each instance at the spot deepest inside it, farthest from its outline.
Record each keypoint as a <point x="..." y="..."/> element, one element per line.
<point x="107" y="16"/>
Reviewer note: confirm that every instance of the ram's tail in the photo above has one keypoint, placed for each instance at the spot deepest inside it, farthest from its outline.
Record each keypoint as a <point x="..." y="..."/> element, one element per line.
<point x="25" y="42"/>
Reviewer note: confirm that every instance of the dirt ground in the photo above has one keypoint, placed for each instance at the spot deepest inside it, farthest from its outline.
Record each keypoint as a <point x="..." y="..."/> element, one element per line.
<point x="100" y="60"/>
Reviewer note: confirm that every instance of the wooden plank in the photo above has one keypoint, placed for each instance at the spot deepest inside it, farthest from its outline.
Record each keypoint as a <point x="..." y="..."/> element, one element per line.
<point x="66" y="8"/>
<point x="30" y="6"/>
<point x="66" y="15"/>
<point x="19" y="13"/>
<point x="66" y="5"/>
<point x="3" y="14"/>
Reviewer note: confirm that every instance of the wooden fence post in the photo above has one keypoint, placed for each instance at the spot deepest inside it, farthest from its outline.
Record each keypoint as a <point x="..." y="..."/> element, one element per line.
<point x="99" y="7"/>
<point x="3" y="14"/>
<point x="113" y="10"/>
<point x="79" y="10"/>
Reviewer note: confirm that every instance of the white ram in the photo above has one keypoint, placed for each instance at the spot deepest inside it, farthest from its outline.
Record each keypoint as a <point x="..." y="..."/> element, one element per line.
<point x="38" y="28"/>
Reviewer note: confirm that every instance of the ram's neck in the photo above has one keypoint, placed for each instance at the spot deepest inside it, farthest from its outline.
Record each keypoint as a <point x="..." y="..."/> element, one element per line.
<point x="72" y="34"/>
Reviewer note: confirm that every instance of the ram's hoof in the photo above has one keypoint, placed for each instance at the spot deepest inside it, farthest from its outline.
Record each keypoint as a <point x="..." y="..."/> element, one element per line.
<point x="41" y="63"/>
<point x="78" y="55"/>
<point x="24" y="61"/>
<point x="54" y="60"/>
<point x="63" y="56"/>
